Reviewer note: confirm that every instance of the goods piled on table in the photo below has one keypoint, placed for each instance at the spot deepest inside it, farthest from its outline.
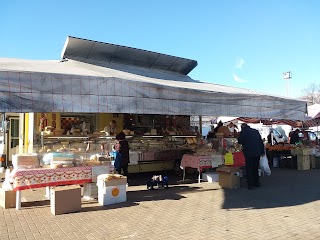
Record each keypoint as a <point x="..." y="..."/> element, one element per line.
<point x="280" y="147"/>
<point x="25" y="160"/>
<point x="301" y="150"/>
<point x="303" y="157"/>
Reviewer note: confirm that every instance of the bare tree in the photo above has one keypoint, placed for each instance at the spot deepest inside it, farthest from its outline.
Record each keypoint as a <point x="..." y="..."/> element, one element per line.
<point x="311" y="93"/>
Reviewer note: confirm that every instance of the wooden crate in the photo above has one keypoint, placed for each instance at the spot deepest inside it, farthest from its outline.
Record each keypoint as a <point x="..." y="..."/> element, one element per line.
<point x="303" y="162"/>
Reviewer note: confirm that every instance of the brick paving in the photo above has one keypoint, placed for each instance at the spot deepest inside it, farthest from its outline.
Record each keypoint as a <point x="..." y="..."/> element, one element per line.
<point x="287" y="206"/>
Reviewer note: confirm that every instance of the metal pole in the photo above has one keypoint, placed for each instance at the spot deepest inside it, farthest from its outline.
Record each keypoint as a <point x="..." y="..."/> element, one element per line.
<point x="200" y="125"/>
<point x="287" y="76"/>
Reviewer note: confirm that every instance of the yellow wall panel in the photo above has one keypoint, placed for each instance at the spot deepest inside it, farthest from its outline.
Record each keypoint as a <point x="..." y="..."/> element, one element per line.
<point x="105" y="118"/>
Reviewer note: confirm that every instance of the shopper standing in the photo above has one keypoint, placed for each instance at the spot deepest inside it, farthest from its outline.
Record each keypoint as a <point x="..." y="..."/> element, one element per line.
<point x="124" y="151"/>
<point x="117" y="158"/>
<point x="294" y="137"/>
<point x="253" y="149"/>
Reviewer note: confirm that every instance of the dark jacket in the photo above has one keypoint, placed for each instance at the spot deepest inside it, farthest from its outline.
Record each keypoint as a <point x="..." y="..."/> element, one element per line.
<point x="251" y="142"/>
<point x="294" y="137"/>
<point x="211" y="135"/>
<point x="124" y="151"/>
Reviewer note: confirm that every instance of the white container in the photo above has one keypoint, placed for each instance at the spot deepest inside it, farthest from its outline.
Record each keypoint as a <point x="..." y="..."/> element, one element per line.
<point x="210" y="177"/>
<point x="113" y="190"/>
<point x="102" y="169"/>
<point x="90" y="191"/>
<point x="112" y="194"/>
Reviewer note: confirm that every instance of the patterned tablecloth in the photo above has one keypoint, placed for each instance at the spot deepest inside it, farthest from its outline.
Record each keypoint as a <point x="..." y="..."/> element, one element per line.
<point x="195" y="161"/>
<point x="44" y="177"/>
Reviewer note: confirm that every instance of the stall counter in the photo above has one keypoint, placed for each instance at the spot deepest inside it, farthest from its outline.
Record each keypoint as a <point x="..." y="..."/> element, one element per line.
<point x="46" y="177"/>
<point x="200" y="162"/>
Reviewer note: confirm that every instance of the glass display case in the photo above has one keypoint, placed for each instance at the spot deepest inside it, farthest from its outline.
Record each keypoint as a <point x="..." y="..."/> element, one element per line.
<point x="158" y="152"/>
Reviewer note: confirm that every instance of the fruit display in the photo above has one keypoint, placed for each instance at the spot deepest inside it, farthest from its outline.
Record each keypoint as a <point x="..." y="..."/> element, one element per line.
<point x="280" y="147"/>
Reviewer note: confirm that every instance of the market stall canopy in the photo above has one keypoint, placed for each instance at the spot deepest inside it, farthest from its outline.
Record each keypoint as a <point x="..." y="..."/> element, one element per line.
<point x="313" y="110"/>
<point x="264" y="121"/>
<point x="292" y="123"/>
<point x="91" y="85"/>
<point x="311" y="120"/>
<point x="313" y="116"/>
<point x="78" y="48"/>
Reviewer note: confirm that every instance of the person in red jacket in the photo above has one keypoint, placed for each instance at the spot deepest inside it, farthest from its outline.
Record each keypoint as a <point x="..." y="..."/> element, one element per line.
<point x="253" y="149"/>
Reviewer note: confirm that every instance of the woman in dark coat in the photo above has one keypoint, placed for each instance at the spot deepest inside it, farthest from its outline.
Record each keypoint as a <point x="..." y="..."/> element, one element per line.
<point x="124" y="151"/>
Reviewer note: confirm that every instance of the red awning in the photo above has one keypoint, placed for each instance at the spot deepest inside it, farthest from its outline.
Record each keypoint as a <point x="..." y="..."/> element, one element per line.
<point x="292" y="123"/>
<point x="313" y="122"/>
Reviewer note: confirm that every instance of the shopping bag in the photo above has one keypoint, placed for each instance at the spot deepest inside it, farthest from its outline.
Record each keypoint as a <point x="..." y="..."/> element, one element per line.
<point x="228" y="159"/>
<point x="264" y="165"/>
<point x="239" y="159"/>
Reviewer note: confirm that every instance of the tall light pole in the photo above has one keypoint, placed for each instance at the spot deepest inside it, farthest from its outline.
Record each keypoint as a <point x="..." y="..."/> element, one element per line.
<point x="287" y="76"/>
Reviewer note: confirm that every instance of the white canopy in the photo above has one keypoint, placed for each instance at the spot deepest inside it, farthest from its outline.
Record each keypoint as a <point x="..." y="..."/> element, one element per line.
<point x="90" y="85"/>
<point x="73" y="86"/>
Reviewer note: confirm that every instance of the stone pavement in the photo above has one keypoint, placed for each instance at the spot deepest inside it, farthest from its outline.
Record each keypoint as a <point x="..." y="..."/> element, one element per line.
<point x="286" y="206"/>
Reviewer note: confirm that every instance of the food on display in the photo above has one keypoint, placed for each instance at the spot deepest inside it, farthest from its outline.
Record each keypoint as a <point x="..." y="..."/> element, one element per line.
<point x="109" y="177"/>
<point x="225" y="130"/>
<point x="280" y="147"/>
<point x="25" y="160"/>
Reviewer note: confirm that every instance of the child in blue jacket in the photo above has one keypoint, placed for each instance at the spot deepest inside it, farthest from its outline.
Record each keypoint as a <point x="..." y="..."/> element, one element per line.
<point x="117" y="158"/>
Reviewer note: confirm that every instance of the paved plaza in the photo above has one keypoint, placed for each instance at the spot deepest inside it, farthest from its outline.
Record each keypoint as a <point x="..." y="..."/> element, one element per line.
<point x="286" y="206"/>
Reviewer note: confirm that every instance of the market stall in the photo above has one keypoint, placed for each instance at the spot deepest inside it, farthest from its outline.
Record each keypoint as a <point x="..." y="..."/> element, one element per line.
<point x="300" y="156"/>
<point x="31" y="171"/>
<point x="102" y="78"/>
<point x="200" y="163"/>
<point x="212" y="155"/>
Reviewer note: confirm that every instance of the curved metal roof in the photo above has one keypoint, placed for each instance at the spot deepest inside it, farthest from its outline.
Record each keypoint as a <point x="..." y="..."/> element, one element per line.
<point x="78" y="48"/>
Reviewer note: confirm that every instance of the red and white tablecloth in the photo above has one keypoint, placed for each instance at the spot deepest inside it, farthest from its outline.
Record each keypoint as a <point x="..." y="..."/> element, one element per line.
<point x="195" y="161"/>
<point x="200" y="162"/>
<point x="44" y="177"/>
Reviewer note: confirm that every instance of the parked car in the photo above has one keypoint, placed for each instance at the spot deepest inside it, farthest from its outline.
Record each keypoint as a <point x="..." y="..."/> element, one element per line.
<point x="277" y="136"/>
<point x="308" y="135"/>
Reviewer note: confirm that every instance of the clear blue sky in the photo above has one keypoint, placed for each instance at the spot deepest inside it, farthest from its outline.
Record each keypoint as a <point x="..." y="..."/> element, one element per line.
<point x="245" y="43"/>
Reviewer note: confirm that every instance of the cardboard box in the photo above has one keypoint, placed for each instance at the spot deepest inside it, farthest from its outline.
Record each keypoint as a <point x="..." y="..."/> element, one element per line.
<point x="112" y="194"/>
<point x="229" y="180"/>
<point x="7" y="199"/>
<point x="66" y="199"/>
<point x="210" y="177"/>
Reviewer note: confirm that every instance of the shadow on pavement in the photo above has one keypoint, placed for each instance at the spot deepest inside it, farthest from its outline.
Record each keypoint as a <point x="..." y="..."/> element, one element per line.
<point x="285" y="187"/>
<point x="41" y="203"/>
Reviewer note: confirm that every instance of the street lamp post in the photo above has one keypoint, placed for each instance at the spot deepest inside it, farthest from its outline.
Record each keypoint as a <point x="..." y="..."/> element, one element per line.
<point x="287" y="76"/>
